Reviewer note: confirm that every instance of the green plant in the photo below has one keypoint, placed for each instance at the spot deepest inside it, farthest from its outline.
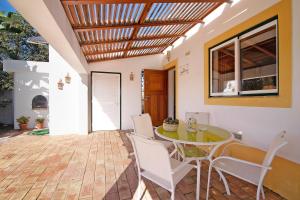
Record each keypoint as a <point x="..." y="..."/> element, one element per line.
<point x="170" y="120"/>
<point x="23" y="120"/>
<point x="14" y="33"/>
<point x="40" y="120"/>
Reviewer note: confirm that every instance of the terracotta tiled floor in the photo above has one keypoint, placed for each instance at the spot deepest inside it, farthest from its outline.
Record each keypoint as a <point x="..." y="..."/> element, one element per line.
<point x="90" y="167"/>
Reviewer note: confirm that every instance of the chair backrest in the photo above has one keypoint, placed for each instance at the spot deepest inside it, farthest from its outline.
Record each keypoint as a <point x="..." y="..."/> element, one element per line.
<point x="152" y="157"/>
<point x="201" y="117"/>
<point x="278" y="142"/>
<point x="142" y="124"/>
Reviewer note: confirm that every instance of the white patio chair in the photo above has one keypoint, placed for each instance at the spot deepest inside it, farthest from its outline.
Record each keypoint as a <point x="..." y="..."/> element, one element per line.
<point x="248" y="171"/>
<point x="201" y="117"/>
<point x="142" y="125"/>
<point x="153" y="162"/>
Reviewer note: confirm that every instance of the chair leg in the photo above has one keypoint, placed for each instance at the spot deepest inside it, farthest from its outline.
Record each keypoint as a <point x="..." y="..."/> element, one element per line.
<point x="262" y="192"/>
<point x="198" y="179"/>
<point x="208" y="181"/>
<point x="224" y="181"/>
<point x="258" y="192"/>
<point x="173" y="194"/>
<point x="139" y="188"/>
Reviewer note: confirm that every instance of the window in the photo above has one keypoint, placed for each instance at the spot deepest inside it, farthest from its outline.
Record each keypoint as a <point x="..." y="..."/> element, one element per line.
<point x="246" y="64"/>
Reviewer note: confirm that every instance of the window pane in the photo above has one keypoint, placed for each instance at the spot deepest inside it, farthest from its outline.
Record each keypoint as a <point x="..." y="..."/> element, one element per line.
<point x="223" y="70"/>
<point x="258" y="61"/>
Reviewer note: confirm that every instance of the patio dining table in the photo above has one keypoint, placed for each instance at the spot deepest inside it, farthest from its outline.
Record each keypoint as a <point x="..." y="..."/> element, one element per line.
<point x="204" y="135"/>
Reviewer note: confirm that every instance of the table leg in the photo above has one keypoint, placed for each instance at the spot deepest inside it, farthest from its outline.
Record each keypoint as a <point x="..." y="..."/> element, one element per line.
<point x="198" y="179"/>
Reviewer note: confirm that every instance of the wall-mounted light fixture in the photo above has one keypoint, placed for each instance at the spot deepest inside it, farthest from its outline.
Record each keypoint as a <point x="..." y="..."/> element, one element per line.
<point x="131" y="76"/>
<point x="68" y="78"/>
<point x="168" y="56"/>
<point x="60" y="85"/>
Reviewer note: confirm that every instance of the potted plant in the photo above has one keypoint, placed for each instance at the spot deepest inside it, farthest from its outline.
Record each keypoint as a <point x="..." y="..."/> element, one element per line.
<point x="170" y="124"/>
<point x="23" y="122"/>
<point x="39" y="123"/>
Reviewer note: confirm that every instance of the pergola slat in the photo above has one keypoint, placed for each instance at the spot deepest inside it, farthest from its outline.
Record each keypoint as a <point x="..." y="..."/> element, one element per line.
<point x="175" y="36"/>
<point x="114" y="29"/>
<point x="136" y="29"/>
<point x="101" y="60"/>
<point x="141" y="1"/>
<point x="149" y="24"/>
<point x="128" y="49"/>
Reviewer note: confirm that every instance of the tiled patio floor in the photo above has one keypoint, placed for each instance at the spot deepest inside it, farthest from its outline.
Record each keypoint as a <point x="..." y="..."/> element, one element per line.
<point x="90" y="167"/>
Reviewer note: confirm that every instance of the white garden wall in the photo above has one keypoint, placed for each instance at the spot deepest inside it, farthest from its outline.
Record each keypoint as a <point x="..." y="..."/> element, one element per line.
<point x="30" y="79"/>
<point x="68" y="108"/>
<point x="258" y="125"/>
<point x="131" y="90"/>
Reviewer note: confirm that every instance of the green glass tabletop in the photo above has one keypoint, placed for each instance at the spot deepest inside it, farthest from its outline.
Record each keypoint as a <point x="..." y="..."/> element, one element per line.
<point x="205" y="135"/>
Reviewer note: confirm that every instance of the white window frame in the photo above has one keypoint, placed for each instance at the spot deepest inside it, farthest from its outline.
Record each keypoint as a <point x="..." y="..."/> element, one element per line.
<point x="215" y="94"/>
<point x="261" y="28"/>
<point x="238" y="81"/>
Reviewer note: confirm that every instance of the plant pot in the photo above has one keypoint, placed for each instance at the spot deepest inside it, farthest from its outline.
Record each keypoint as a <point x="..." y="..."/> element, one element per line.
<point x="23" y="127"/>
<point x="39" y="125"/>
<point x="170" y="127"/>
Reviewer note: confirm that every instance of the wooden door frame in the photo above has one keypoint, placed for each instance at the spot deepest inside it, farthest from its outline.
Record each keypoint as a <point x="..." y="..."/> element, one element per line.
<point x="174" y="65"/>
<point x="91" y="95"/>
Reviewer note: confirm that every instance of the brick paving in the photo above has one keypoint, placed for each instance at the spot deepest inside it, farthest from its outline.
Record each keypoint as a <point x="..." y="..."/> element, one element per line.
<point x="97" y="166"/>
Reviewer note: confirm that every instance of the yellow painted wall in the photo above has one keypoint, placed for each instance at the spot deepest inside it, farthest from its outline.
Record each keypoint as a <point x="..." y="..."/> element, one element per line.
<point x="283" y="10"/>
<point x="284" y="178"/>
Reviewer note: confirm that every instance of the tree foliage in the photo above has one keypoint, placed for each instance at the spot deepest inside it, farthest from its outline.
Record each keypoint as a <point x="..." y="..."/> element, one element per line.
<point x="14" y="32"/>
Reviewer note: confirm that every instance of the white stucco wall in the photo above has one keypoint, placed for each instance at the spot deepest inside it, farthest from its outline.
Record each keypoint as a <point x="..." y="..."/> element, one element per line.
<point x="131" y="90"/>
<point x="259" y="125"/>
<point x="68" y="108"/>
<point x="30" y="79"/>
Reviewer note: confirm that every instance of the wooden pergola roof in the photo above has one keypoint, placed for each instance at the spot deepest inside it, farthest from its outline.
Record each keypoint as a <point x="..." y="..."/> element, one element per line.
<point x="108" y="29"/>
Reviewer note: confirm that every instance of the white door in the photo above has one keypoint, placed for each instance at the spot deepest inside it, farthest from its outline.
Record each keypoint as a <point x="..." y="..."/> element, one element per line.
<point x="106" y="101"/>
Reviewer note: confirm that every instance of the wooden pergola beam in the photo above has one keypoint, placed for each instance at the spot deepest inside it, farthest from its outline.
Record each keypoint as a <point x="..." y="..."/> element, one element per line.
<point x="136" y="29"/>
<point x="106" y="27"/>
<point x="130" y="49"/>
<point x="102" y="60"/>
<point x="175" y="36"/>
<point x="141" y="1"/>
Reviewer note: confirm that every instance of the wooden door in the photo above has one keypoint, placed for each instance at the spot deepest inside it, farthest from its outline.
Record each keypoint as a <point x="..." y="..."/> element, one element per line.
<point x="156" y="95"/>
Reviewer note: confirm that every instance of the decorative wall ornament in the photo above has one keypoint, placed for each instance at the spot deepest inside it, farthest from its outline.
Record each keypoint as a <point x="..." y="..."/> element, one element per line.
<point x="60" y="85"/>
<point x="68" y="78"/>
<point x="184" y="69"/>
<point x="131" y="76"/>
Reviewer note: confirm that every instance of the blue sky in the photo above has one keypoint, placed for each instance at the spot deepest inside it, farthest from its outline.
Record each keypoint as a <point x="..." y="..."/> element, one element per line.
<point x="5" y="6"/>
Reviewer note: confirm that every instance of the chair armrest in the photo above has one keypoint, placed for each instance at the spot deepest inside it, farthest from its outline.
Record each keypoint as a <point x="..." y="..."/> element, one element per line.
<point x="181" y="166"/>
<point x="232" y="144"/>
<point x="241" y="161"/>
